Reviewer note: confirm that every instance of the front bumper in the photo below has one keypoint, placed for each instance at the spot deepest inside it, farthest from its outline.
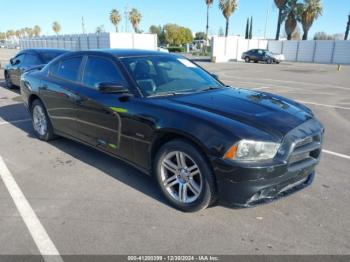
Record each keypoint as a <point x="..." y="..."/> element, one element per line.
<point x="245" y="185"/>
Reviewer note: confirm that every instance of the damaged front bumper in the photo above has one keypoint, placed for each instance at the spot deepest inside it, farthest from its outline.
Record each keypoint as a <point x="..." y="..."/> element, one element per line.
<point x="249" y="184"/>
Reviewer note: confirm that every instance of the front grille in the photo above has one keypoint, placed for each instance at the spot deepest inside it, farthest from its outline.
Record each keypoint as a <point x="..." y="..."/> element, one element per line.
<point x="306" y="152"/>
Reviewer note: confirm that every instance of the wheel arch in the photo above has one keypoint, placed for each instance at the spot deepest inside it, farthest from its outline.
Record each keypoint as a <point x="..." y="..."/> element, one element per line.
<point x="31" y="99"/>
<point x="166" y="135"/>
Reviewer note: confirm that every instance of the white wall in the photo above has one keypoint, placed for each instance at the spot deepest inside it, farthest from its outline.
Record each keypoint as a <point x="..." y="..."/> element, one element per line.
<point x="231" y="48"/>
<point x="320" y="51"/>
<point x="93" y="41"/>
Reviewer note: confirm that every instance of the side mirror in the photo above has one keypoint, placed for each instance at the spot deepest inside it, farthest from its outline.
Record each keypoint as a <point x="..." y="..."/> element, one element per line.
<point x="215" y="76"/>
<point x="112" y="88"/>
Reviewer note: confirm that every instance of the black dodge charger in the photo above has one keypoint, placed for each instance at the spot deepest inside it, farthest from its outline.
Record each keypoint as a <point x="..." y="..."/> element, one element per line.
<point x="201" y="140"/>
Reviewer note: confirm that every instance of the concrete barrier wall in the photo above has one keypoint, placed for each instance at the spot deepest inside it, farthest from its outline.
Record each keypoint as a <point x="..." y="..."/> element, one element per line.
<point x="231" y="48"/>
<point x="330" y="52"/>
<point x="93" y="41"/>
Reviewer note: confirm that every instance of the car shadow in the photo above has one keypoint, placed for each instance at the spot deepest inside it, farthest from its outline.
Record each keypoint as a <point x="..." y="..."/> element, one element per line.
<point x="15" y="89"/>
<point x="109" y="165"/>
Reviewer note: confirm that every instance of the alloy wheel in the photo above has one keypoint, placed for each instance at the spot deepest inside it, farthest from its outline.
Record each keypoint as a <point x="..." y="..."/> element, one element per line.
<point x="39" y="120"/>
<point x="181" y="177"/>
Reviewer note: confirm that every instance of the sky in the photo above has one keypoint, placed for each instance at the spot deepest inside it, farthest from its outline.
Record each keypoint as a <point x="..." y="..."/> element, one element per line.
<point x="189" y="13"/>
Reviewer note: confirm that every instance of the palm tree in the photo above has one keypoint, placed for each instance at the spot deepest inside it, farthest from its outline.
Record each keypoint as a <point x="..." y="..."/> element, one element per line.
<point x="29" y="31"/>
<point x="100" y="29"/>
<point x="347" y="29"/>
<point x="115" y="18"/>
<point x="37" y="30"/>
<point x="308" y="13"/>
<point x="209" y="3"/>
<point x="23" y="32"/>
<point x="291" y="13"/>
<point x="281" y="5"/>
<point x="135" y="19"/>
<point x="228" y="7"/>
<point x="56" y="27"/>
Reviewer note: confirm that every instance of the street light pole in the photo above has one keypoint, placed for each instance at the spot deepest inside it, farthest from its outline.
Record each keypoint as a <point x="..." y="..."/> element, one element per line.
<point x="126" y="13"/>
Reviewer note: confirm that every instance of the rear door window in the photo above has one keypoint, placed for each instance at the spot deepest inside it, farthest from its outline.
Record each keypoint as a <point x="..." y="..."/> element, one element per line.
<point x="67" y="69"/>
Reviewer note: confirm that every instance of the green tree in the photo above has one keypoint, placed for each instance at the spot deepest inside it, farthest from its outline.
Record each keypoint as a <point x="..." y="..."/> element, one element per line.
<point x="135" y="19"/>
<point x="247" y="29"/>
<point x="347" y="29"/>
<point x="115" y="18"/>
<point x="177" y="35"/>
<point x="10" y="33"/>
<point x="281" y="5"/>
<point x="56" y="27"/>
<point x="100" y="29"/>
<point x="158" y="30"/>
<point x="308" y="13"/>
<point x="29" y="31"/>
<point x="228" y="7"/>
<point x="209" y="3"/>
<point x="2" y="36"/>
<point x="200" y="36"/>
<point x="251" y="28"/>
<point x="37" y="30"/>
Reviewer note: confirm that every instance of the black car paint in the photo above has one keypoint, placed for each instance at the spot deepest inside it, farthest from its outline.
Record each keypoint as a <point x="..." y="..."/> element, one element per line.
<point x="259" y="55"/>
<point x="15" y="70"/>
<point x="132" y="127"/>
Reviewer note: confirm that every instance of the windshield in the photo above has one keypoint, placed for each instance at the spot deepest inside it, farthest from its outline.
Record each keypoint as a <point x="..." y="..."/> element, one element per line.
<point x="168" y="75"/>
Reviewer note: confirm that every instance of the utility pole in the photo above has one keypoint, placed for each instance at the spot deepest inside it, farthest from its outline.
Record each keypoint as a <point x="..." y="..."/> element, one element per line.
<point x="126" y="13"/>
<point x="267" y="18"/>
<point x="83" y="25"/>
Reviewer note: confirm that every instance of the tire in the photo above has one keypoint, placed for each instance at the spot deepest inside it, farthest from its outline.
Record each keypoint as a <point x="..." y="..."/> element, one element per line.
<point x="41" y="122"/>
<point x="198" y="184"/>
<point x="8" y="82"/>
<point x="247" y="59"/>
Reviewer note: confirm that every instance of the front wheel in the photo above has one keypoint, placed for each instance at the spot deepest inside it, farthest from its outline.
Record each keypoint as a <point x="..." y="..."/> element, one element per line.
<point x="41" y="122"/>
<point x="184" y="176"/>
<point x="247" y="59"/>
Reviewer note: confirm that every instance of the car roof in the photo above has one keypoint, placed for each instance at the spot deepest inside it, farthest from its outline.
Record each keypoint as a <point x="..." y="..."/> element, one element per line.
<point x="120" y="52"/>
<point x="43" y="50"/>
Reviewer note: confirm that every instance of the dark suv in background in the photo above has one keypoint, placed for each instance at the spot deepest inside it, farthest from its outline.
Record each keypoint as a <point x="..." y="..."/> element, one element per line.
<point x="28" y="59"/>
<point x="262" y="55"/>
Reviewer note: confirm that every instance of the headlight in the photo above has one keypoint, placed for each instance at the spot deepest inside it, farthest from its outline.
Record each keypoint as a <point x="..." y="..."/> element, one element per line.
<point x="248" y="150"/>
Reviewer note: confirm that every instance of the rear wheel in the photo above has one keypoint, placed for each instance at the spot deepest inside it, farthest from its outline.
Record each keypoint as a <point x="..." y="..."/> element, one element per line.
<point x="247" y="59"/>
<point x="184" y="176"/>
<point x="41" y="122"/>
<point x="8" y="82"/>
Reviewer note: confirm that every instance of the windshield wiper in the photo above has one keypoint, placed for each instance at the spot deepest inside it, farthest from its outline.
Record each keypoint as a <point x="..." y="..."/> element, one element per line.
<point x="172" y="94"/>
<point x="209" y="88"/>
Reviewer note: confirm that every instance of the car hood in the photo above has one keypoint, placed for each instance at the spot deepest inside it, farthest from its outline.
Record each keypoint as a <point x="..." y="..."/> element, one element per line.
<point x="265" y="111"/>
